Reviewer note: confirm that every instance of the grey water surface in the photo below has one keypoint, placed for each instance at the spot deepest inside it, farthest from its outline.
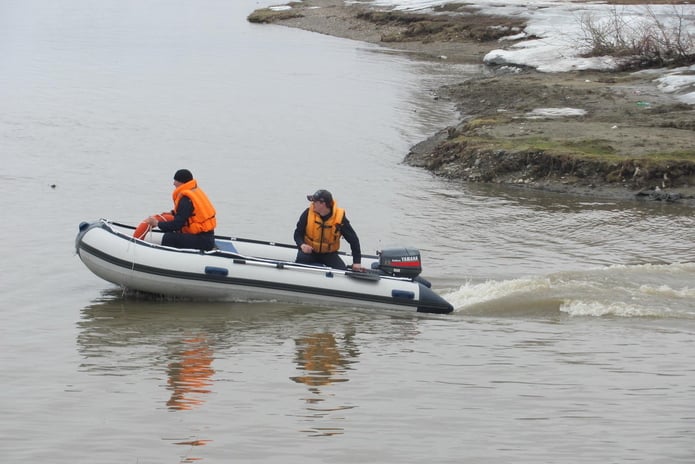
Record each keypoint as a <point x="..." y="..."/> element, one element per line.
<point x="573" y="335"/>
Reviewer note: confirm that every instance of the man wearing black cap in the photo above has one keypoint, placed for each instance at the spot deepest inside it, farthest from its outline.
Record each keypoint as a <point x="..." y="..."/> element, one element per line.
<point x="318" y="233"/>
<point x="194" y="220"/>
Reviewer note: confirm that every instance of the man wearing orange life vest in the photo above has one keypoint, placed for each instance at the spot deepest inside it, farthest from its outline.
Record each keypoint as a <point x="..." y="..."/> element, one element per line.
<point x="194" y="220"/>
<point x="319" y="230"/>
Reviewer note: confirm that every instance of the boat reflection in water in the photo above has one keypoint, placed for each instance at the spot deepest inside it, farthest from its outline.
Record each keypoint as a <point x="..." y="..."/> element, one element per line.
<point x="190" y="376"/>
<point x="142" y="339"/>
<point x="123" y="337"/>
<point x="324" y="363"/>
<point x="208" y="357"/>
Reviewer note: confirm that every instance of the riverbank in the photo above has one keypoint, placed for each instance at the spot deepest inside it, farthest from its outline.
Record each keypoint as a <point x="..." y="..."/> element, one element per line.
<point x="594" y="133"/>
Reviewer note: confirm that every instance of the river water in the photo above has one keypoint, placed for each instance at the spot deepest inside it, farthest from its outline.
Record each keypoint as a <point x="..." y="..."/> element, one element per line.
<point x="573" y="334"/>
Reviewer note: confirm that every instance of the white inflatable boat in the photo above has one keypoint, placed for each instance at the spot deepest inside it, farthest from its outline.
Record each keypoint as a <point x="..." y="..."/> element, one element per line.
<point x="252" y="270"/>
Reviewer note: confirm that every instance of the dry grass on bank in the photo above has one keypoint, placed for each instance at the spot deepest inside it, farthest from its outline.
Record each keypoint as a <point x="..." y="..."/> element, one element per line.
<point x="648" y="42"/>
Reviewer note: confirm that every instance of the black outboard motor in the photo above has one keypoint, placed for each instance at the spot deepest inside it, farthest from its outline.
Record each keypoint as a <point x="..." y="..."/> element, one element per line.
<point x="400" y="262"/>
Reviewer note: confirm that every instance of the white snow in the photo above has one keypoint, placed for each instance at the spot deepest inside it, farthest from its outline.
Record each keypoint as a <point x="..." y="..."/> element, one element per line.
<point x="556" y="40"/>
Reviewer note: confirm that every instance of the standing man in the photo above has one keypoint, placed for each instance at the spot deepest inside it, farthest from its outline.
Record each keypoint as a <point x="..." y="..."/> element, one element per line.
<point x="319" y="230"/>
<point x="194" y="220"/>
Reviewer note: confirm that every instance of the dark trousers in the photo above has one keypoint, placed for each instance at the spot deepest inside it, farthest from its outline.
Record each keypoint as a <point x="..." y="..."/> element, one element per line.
<point x="204" y="241"/>
<point x="327" y="259"/>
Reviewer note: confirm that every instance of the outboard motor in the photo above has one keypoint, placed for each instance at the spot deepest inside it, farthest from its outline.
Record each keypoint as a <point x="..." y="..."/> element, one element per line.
<point x="400" y="262"/>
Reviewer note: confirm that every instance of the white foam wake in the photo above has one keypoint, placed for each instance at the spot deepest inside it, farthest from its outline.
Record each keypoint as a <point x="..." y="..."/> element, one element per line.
<point x="642" y="290"/>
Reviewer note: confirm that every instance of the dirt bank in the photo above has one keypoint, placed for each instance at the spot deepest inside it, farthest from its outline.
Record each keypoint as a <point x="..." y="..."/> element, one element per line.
<point x="603" y="134"/>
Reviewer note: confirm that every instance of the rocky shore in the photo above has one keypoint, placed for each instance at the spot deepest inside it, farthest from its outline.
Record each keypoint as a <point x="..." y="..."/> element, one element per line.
<point x="600" y="134"/>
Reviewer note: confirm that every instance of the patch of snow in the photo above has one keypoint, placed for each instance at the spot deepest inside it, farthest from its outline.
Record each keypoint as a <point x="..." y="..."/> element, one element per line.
<point x="556" y="41"/>
<point x="554" y="113"/>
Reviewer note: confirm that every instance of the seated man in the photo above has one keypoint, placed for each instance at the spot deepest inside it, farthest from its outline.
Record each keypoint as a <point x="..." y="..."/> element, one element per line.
<point x="193" y="225"/>
<point x="319" y="230"/>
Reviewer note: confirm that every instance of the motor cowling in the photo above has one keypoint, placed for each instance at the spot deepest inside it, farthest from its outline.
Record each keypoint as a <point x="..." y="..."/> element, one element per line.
<point x="400" y="262"/>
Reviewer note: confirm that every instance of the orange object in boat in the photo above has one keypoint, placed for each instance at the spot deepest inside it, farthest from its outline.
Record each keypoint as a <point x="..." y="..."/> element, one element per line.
<point x="143" y="228"/>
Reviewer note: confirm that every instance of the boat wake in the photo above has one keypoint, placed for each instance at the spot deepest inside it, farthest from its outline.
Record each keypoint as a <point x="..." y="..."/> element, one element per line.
<point x="643" y="290"/>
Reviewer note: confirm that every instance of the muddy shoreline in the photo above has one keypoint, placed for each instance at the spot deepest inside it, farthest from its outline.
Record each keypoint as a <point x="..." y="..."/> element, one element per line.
<point x="637" y="131"/>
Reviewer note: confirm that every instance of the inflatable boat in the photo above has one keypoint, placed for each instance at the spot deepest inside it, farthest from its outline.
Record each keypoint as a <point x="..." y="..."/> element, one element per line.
<point x="252" y="270"/>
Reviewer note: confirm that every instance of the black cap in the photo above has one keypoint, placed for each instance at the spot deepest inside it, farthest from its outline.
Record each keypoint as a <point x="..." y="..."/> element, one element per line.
<point x="183" y="176"/>
<point x="321" y="195"/>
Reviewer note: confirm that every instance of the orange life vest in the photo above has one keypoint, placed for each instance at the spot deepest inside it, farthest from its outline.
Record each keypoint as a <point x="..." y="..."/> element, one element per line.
<point x="324" y="236"/>
<point x="203" y="217"/>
